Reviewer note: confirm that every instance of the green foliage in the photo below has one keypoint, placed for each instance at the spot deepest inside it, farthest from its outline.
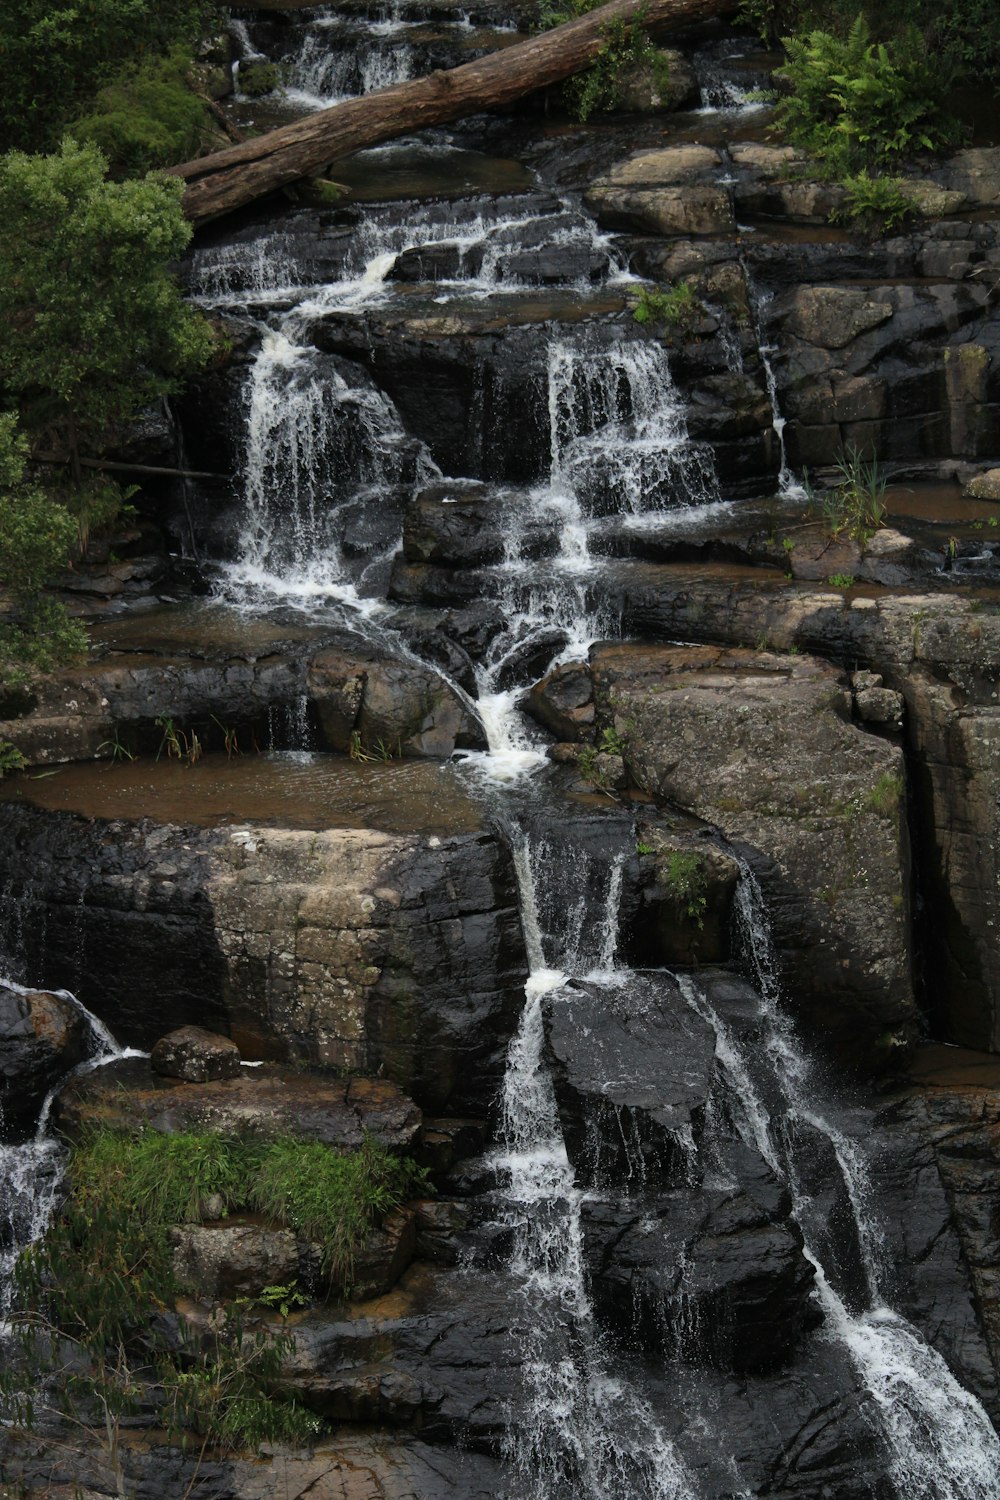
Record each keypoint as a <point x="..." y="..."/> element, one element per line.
<point x="877" y="204"/>
<point x="333" y="1200"/>
<point x="961" y="37"/>
<point x="11" y="759"/>
<point x="641" y="848"/>
<point x="96" y="326"/>
<point x="841" y="580"/>
<point x="151" y="1181"/>
<point x="612" y="742"/>
<point x="97" y="504"/>
<point x="37" y="538"/>
<point x="685" y="880"/>
<point x="854" y="102"/>
<point x="149" y="116"/>
<point x="677" y="306"/>
<point x="259" y="78"/>
<point x="857" y="505"/>
<point x="885" y="795"/>
<point x="56" y="54"/>
<point x="624" y="45"/>
<point x="102" y="1273"/>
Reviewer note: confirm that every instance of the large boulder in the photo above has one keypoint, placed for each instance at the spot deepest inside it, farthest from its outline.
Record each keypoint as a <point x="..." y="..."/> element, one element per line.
<point x="195" y="1055"/>
<point x="42" y="1036"/>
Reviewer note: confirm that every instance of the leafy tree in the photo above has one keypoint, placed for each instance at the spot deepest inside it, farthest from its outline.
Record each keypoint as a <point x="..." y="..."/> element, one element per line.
<point x="147" y="117"/>
<point x="56" y="54"/>
<point x="37" y="537"/>
<point x="96" y="328"/>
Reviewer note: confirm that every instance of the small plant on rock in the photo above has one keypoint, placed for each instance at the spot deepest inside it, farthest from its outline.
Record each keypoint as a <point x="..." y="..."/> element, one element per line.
<point x="876" y="204"/>
<point x="675" y="306"/>
<point x="856" y="507"/>
<point x="11" y="759"/>
<point x="841" y="580"/>
<point x="853" y="102"/>
<point x="686" y="882"/>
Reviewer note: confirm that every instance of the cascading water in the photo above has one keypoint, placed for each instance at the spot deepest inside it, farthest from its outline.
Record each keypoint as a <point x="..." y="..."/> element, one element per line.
<point x="580" y="1430"/>
<point x="789" y="488"/>
<point x="323" y="72"/>
<point x="31" y="1172"/>
<point x="319" y="442"/>
<point x="940" y="1442"/>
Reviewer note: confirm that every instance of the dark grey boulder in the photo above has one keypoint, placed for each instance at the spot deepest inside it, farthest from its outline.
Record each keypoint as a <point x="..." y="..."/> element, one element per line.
<point x="195" y="1055"/>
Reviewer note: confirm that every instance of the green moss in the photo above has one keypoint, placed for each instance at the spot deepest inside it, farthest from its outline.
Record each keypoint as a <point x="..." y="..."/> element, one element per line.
<point x="884" y="797"/>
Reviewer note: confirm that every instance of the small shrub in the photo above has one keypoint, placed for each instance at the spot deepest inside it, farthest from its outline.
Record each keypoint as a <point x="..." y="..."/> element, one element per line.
<point x="258" y="78"/>
<point x="11" y="759"/>
<point x="884" y="797"/>
<point x="877" y="204"/>
<point x="148" y="117"/>
<point x="686" y="883"/>
<point x="841" y="580"/>
<point x="853" y="102"/>
<point x="611" y="742"/>
<point x="677" y="306"/>
<point x="857" y="505"/>
<point x="625" y="45"/>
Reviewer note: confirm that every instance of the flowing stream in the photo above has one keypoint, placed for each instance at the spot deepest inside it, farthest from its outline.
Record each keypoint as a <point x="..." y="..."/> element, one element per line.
<point x="324" y="448"/>
<point x="320" y="442"/>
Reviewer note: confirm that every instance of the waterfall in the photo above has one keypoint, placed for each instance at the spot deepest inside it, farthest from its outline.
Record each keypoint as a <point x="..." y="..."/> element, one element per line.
<point x="31" y="1173"/>
<point x="580" y="1431"/>
<point x="940" y="1442"/>
<point x="619" y="434"/>
<point x="789" y="488"/>
<point x="322" y="73"/>
<point x="316" y="445"/>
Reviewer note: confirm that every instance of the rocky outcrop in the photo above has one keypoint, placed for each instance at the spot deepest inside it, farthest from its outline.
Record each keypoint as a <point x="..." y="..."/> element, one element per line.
<point x="763" y="747"/>
<point x="267" y="1102"/>
<point x="230" y="688"/>
<point x="372" y="706"/>
<point x="670" y="192"/>
<point x="627" y="1117"/>
<point x="347" y="948"/>
<point x="42" y="1036"/>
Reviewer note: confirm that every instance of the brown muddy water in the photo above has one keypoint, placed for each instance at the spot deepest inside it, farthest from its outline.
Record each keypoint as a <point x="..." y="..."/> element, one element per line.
<point x="313" y="791"/>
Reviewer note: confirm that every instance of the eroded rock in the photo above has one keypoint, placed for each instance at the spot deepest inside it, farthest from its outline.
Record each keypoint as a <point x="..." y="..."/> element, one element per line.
<point x="763" y="747"/>
<point x="42" y="1036"/>
<point x="195" y="1055"/>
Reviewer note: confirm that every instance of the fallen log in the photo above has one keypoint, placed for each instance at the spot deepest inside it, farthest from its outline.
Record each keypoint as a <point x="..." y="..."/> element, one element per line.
<point x="227" y="179"/>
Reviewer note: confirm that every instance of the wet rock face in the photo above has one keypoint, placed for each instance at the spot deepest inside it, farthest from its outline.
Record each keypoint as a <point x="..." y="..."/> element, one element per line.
<point x="351" y="949"/>
<point x="709" y="1275"/>
<point x="764" y="747"/>
<point x="42" y="1037"/>
<point x="372" y="705"/>
<point x="628" y="1119"/>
